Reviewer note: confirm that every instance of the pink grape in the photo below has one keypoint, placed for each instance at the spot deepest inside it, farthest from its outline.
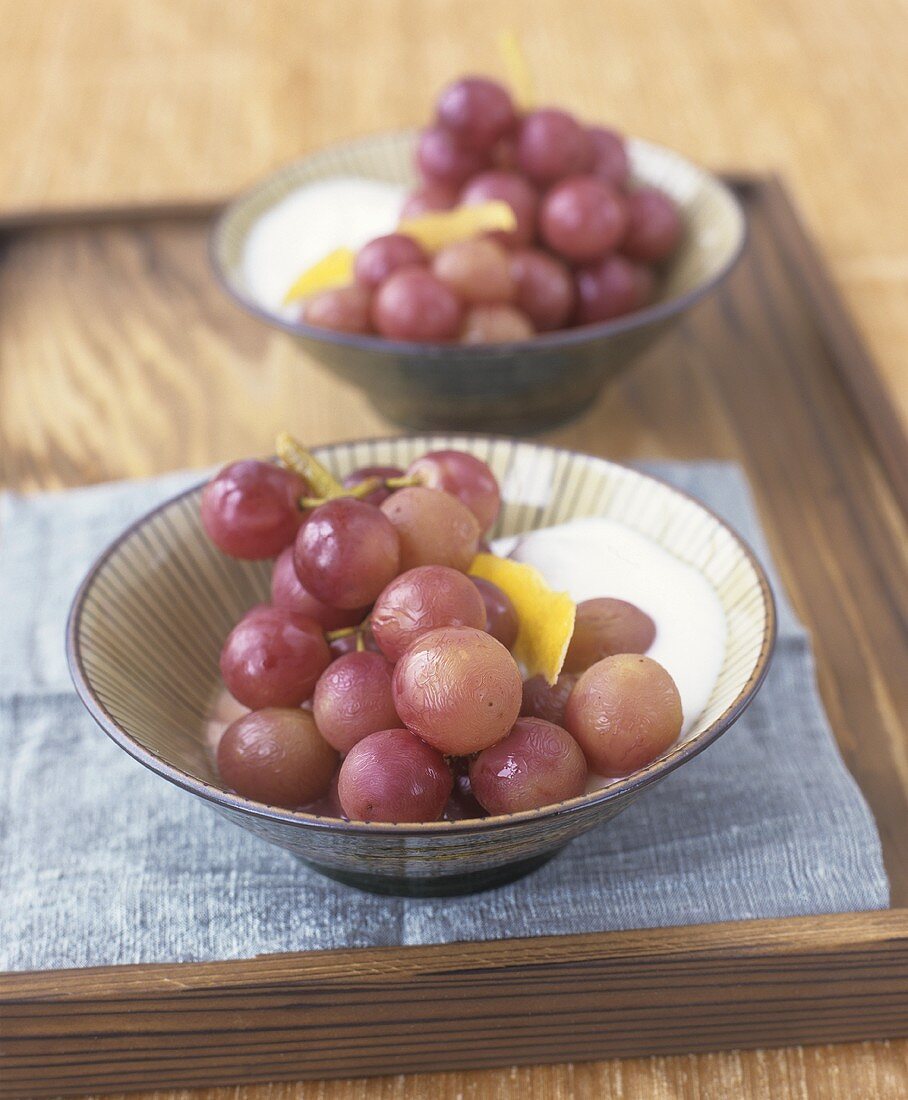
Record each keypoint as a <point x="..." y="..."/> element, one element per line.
<point x="250" y="509"/>
<point x="536" y="765"/>
<point x="612" y="288"/>
<point x="610" y="159"/>
<point x="434" y="528"/>
<point x="544" y="288"/>
<point x="582" y="218"/>
<point x="654" y="226"/>
<point x="458" y="689"/>
<point x="477" y="111"/>
<point x="551" y="145"/>
<point x="365" y="473"/>
<point x="376" y="260"/>
<point x="429" y="199"/>
<point x="392" y="776"/>
<point x="344" y="309"/>
<point x="604" y="627"/>
<point x="512" y="188"/>
<point x="412" y="304"/>
<point x="276" y="756"/>
<point x="441" y="158"/>
<point x="346" y="552"/>
<point x="286" y="591"/>
<point x="273" y="658"/>
<point x="624" y="712"/>
<point x="495" y="324"/>
<point x="353" y="699"/>
<point x="421" y="600"/>
<point x="500" y="615"/>
<point x="476" y="271"/>
<point x="544" y="700"/>
<point x="464" y="476"/>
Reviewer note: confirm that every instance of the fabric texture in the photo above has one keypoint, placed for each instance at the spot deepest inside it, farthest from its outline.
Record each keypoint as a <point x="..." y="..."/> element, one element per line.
<point x="102" y="862"/>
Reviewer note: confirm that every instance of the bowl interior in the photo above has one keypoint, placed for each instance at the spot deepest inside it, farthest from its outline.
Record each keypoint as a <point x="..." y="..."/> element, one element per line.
<point x="714" y="221"/>
<point x="150" y="618"/>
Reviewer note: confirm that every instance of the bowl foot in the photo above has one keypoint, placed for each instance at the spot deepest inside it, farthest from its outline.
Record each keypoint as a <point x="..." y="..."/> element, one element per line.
<point x="433" y="886"/>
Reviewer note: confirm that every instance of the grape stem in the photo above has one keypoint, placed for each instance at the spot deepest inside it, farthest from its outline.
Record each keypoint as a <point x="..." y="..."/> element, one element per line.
<point x="294" y="456"/>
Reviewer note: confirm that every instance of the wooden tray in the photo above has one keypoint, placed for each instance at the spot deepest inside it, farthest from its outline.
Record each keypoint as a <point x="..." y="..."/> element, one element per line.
<point x="769" y="372"/>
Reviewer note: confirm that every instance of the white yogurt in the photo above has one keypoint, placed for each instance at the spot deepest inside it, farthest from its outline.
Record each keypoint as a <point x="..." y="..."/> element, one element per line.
<point x="598" y="557"/>
<point x="344" y="211"/>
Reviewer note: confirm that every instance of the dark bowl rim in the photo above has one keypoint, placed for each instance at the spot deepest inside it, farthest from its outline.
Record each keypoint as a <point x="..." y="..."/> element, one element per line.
<point x="582" y="334"/>
<point x="616" y="788"/>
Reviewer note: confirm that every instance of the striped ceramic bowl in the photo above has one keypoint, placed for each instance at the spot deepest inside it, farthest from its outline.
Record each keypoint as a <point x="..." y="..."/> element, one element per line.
<point x="505" y="387"/>
<point x="148" y="622"/>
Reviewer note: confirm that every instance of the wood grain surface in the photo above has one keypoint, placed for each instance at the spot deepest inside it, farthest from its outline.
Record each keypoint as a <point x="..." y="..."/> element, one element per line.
<point x="112" y="102"/>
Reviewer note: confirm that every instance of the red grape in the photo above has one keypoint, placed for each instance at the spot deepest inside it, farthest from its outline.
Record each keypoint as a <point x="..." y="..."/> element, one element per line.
<point x="392" y="776"/>
<point x="477" y="111"/>
<point x="604" y="627"/>
<point x="376" y="260"/>
<point x="477" y="271"/>
<point x="495" y="324"/>
<point x="273" y="658"/>
<point x="544" y="700"/>
<point x="610" y="159"/>
<point x="504" y="153"/>
<point x="344" y="309"/>
<point x="276" y="756"/>
<point x="624" y="712"/>
<point x="346" y="552"/>
<point x="537" y="764"/>
<point x="500" y="615"/>
<point x="612" y="288"/>
<point x="353" y="699"/>
<point x="286" y="591"/>
<point x="421" y="600"/>
<point x="429" y="199"/>
<point x="545" y="289"/>
<point x="551" y="145"/>
<point x="365" y="473"/>
<point x="251" y="509"/>
<point x="457" y="688"/>
<point x="582" y="218"/>
<point x="434" y="528"/>
<point x="464" y="476"/>
<point x="513" y="189"/>
<point x="441" y="158"/>
<point x="412" y="304"/>
<point x="654" y="226"/>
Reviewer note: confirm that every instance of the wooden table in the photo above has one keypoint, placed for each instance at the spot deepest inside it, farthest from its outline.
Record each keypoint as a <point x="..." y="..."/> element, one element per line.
<point x="106" y="102"/>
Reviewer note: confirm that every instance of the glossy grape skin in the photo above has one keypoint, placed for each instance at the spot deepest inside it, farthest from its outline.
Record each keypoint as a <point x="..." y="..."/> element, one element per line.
<point x="476" y="271"/>
<point x="624" y="712"/>
<point x="544" y="288"/>
<point x="346" y="552"/>
<point x="477" y="111"/>
<point x="273" y="658"/>
<point x="353" y="699"/>
<point x="364" y="473"/>
<point x="544" y="700"/>
<point x="612" y="288"/>
<point x="392" y="776"/>
<point x="464" y="476"/>
<point x="440" y="158"/>
<point x="654" y="226"/>
<point x="537" y="764"/>
<point x="495" y="324"/>
<point x="287" y="592"/>
<point x="414" y="305"/>
<point x="500" y="615"/>
<point x="429" y="199"/>
<point x="582" y="219"/>
<point x="551" y="145"/>
<point x="512" y="188"/>
<point x="604" y="627"/>
<point x="276" y="756"/>
<point x="343" y="309"/>
<point x="610" y="160"/>
<point x="376" y="260"/>
<point x="458" y="689"/>
<point x="420" y="600"/>
<point x="250" y="510"/>
<point x="434" y="528"/>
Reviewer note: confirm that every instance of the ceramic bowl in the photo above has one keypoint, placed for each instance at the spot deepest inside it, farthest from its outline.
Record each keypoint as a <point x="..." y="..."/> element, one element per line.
<point x="149" y="620"/>
<point x="515" y="387"/>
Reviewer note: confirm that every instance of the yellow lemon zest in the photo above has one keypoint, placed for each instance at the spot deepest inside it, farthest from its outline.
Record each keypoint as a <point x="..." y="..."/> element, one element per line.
<point x="435" y="231"/>
<point x="517" y="68"/>
<point x="546" y="617"/>
<point x="333" y="270"/>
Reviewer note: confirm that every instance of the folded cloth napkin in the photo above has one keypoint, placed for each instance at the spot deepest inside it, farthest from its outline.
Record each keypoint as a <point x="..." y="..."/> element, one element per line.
<point x="102" y="862"/>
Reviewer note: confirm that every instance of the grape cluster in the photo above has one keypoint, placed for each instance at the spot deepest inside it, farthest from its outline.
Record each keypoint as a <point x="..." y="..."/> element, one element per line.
<point x="585" y="248"/>
<point x="380" y="680"/>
